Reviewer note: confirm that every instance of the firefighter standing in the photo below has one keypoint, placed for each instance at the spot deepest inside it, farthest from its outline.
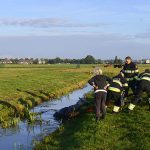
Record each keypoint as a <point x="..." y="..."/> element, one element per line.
<point x="130" y="71"/>
<point x="100" y="84"/>
<point x="115" y="91"/>
<point x="143" y="86"/>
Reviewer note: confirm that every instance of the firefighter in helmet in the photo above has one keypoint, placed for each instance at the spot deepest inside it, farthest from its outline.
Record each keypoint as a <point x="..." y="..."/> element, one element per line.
<point x="130" y="71"/>
<point x="115" y="91"/>
<point x="143" y="86"/>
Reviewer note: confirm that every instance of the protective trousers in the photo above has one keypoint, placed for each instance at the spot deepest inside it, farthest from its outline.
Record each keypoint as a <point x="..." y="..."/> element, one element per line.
<point x="133" y="85"/>
<point x="115" y="96"/>
<point x="100" y="100"/>
<point x="144" y="86"/>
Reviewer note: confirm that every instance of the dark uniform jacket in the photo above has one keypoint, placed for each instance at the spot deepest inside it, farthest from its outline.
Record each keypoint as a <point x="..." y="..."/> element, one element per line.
<point x="144" y="76"/>
<point x="118" y="84"/>
<point x="130" y="71"/>
<point x="143" y="85"/>
<point x="101" y="81"/>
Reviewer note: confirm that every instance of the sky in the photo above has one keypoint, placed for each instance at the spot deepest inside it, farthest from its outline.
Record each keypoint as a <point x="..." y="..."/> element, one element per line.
<point x="75" y="28"/>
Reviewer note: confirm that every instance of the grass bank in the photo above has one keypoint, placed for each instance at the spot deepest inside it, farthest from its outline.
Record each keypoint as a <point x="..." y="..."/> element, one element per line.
<point x="117" y="132"/>
<point x="25" y="86"/>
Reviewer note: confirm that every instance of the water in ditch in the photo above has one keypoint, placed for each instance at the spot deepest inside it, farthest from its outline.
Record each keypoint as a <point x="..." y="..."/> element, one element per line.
<point x="22" y="136"/>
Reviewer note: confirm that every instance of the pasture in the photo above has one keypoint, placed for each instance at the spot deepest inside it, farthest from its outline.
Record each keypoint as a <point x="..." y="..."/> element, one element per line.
<point x="118" y="131"/>
<point x="25" y="86"/>
<point x="29" y="85"/>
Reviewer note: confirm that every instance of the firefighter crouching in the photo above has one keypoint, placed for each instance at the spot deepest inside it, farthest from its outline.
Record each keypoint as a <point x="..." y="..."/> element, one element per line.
<point x="100" y="84"/>
<point x="115" y="91"/>
<point x="130" y="71"/>
<point x="143" y="86"/>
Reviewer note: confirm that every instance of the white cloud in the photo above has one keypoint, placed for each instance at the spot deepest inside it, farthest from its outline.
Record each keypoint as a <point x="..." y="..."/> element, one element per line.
<point x="47" y="22"/>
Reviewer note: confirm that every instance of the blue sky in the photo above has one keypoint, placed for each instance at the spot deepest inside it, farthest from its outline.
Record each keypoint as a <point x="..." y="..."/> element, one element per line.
<point x="75" y="28"/>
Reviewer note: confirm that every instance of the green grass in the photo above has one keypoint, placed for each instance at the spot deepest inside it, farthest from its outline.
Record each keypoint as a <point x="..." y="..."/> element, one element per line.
<point x="30" y="85"/>
<point x="124" y="131"/>
<point x="16" y="80"/>
<point x="23" y="85"/>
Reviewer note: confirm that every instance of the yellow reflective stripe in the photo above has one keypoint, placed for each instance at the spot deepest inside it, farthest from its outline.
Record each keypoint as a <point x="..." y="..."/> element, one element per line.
<point x="114" y="89"/>
<point x="126" y="84"/>
<point x="129" y="79"/>
<point x="122" y="74"/>
<point x="116" y="81"/>
<point x="145" y="74"/>
<point x="136" y="71"/>
<point x="131" y="71"/>
<point x="145" y="78"/>
<point x="128" y="71"/>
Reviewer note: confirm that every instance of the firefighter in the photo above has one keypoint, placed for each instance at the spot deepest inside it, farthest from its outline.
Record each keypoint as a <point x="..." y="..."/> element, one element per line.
<point x="100" y="83"/>
<point x="115" y="91"/>
<point x="143" y="86"/>
<point x="130" y="71"/>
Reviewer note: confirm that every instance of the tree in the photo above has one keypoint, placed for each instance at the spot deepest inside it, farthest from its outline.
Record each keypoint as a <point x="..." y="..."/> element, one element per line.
<point x="89" y="59"/>
<point x="99" y="61"/>
<point x="36" y="61"/>
<point x="116" y="60"/>
<point x="57" y="60"/>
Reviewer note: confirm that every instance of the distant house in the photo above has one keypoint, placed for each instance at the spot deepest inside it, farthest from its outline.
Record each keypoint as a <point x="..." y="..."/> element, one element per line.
<point x="41" y="61"/>
<point x="6" y="61"/>
<point x="22" y="61"/>
<point x="147" y="61"/>
<point x="2" y="61"/>
<point x="25" y="61"/>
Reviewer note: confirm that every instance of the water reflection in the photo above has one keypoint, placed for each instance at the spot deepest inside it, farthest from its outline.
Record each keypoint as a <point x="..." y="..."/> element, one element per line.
<point x="23" y="135"/>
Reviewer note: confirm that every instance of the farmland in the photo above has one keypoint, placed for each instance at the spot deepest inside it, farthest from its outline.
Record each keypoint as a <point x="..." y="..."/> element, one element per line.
<point x="122" y="131"/>
<point x="29" y="85"/>
<point x="25" y="86"/>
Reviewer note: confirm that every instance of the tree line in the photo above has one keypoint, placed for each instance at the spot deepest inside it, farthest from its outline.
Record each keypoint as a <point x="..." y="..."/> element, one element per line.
<point x="87" y="60"/>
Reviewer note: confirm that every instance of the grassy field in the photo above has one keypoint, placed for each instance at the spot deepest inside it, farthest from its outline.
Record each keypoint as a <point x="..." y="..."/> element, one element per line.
<point x="17" y="80"/>
<point x="24" y="86"/>
<point x="124" y="131"/>
<point x="29" y="85"/>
